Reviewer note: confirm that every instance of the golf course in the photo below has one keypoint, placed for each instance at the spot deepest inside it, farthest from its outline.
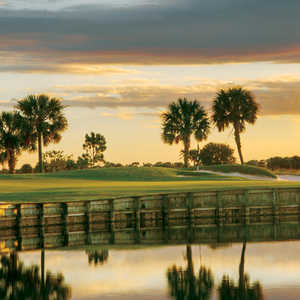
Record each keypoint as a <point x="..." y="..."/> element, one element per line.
<point x="102" y="183"/>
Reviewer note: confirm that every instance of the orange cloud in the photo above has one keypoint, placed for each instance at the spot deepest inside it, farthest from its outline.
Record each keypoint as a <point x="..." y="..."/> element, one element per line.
<point x="277" y="96"/>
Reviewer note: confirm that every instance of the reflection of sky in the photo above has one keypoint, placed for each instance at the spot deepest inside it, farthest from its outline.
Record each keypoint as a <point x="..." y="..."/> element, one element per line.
<point x="141" y="274"/>
<point x="61" y="4"/>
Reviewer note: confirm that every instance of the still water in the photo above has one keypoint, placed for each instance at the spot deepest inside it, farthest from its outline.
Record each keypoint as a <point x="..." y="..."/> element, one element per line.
<point x="248" y="270"/>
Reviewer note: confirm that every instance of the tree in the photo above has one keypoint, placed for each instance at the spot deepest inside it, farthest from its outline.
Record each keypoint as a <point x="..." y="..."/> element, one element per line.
<point x="82" y="162"/>
<point x="94" y="146"/>
<point x="195" y="156"/>
<point x="45" y="121"/>
<point x="216" y="154"/>
<point x="235" y="107"/>
<point x="55" y="160"/>
<point x="183" y="119"/>
<point x="12" y="140"/>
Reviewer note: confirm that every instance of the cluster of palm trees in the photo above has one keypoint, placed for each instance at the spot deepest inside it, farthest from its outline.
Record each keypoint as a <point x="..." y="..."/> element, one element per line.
<point x="37" y="121"/>
<point x="234" y="106"/>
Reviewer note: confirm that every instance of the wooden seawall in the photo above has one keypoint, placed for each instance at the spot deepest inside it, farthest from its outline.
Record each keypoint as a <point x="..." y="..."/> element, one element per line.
<point x="193" y="217"/>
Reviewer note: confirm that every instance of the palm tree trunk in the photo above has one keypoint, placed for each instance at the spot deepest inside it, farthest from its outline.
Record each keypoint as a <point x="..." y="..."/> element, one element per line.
<point x="238" y="142"/>
<point x="41" y="165"/>
<point x="11" y="161"/>
<point x="186" y="153"/>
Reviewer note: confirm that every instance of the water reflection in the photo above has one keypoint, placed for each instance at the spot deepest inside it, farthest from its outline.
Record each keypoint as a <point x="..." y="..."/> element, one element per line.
<point x="108" y="266"/>
<point x="97" y="257"/>
<point x="244" y="290"/>
<point x="185" y="285"/>
<point x="20" y="282"/>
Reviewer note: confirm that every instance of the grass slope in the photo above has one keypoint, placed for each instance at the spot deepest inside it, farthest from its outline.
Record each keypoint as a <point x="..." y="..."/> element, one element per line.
<point x="243" y="169"/>
<point x="114" y="182"/>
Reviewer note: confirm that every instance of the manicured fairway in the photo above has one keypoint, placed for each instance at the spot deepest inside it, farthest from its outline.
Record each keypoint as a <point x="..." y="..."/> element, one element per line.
<point x="106" y="183"/>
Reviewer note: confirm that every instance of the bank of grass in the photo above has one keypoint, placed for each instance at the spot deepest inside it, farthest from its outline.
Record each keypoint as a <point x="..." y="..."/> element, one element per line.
<point x="243" y="169"/>
<point x="114" y="182"/>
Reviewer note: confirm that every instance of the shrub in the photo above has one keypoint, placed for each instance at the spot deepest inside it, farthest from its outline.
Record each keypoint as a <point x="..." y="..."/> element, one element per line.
<point x="216" y="154"/>
<point x="26" y="168"/>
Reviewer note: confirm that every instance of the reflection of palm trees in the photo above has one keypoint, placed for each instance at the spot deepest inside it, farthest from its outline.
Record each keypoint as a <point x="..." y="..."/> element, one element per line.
<point x="97" y="257"/>
<point x="244" y="290"/>
<point x="20" y="282"/>
<point x="185" y="285"/>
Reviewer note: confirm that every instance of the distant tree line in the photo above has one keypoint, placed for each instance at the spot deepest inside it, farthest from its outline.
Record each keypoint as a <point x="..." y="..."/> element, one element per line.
<point x="277" y="162"/>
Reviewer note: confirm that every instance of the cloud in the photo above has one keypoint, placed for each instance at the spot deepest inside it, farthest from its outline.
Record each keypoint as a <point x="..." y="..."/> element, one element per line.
<point x="276" y="96"/>
<point x="147" y="99"/>
<point x="165" y="32"/>
<point x="120" y="115"/>
<point x="23" y="64"/>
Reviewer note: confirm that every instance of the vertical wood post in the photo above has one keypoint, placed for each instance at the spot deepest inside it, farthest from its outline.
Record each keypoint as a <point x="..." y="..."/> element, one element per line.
<point x="275" y="207"/>
<point x="276" y="215"/>
<point x="87" y="222"/>
<point x="41" y="225"/>
<point x="65" y="223"/>
<point x="18" y="227"/>
<point x="137" y="219"/>
<point x="298" y="202"/>
<point x="246" y="210"/>
<point x="112" y="221"/>
<point x="165" y="217"/>
<point x="190" y="205"/>
<point x="219" y="210"/>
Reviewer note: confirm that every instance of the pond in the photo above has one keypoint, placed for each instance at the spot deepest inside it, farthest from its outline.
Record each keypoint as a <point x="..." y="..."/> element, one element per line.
<point x="254" y="262"/>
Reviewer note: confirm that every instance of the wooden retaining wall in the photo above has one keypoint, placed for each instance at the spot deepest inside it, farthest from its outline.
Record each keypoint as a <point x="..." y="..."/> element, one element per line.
<point x="193" y="217"/>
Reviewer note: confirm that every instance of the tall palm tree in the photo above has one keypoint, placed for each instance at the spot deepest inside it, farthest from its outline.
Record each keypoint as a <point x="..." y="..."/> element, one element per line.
<point x="11" y="138"/>
<point x="235" y="107"/>
<point x="45" y="121"/>
<point x="183" y="119"/>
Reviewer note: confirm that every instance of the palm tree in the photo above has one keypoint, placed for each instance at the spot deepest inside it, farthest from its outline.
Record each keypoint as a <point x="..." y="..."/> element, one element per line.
<point x="45" y="121"/>
<point x="235" y="106"/>
<point x="12" y="141"/>
<point x="183" y="119"/>
<point x="185" y="285"/>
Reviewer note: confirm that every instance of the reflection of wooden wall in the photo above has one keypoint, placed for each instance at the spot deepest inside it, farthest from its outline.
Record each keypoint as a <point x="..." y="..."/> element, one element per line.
<point x="224" y="216"/>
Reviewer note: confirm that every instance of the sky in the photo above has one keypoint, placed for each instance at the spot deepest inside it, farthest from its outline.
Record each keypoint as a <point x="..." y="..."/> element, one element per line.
<point x="117" y="67"/>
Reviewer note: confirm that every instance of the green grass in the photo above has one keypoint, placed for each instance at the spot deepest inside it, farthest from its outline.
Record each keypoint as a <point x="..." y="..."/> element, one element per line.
<point x="114" y="182"/>
<point x="243" y="169"/>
